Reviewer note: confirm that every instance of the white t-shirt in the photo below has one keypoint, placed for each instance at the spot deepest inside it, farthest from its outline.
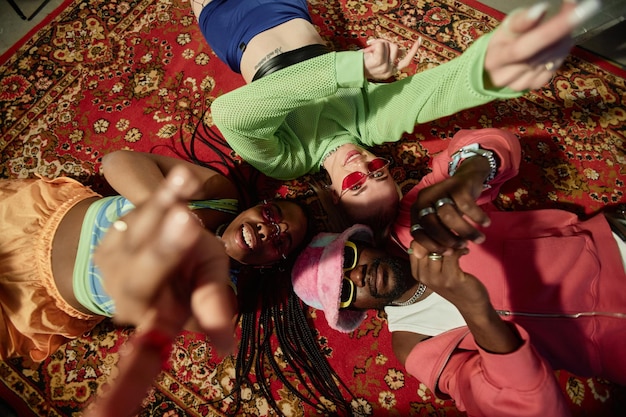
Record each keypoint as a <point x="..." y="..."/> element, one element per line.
<point x="430" y="316"/>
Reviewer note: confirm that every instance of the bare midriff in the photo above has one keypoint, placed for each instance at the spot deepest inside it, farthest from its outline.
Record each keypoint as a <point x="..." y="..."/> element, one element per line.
<point x="285" y="37"/>
<point x="64" y="248"/>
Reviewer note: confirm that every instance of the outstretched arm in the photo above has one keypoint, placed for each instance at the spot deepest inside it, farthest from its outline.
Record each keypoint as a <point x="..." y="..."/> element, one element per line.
<point x="162" y="268"/>
<point x="522" y="53"/>
<point x="137" y="175"/>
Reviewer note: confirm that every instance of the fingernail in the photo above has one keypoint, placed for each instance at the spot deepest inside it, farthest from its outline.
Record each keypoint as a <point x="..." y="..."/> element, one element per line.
<point x="409" y="251"/>
<point x="584" y="11"/>
<point x="537" y="11"/>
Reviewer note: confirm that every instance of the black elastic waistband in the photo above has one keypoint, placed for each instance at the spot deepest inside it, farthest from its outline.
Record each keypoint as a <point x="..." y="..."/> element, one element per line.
<point x="289" y="58"/>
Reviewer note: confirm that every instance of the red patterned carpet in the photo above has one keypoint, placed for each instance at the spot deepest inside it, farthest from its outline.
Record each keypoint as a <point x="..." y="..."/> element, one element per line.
<point x="137" y="74"/>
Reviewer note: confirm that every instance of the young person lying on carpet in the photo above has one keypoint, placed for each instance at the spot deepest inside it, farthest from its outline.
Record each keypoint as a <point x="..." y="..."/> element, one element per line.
<point x="486" y="328"/>
<point x="309" y="108"/>
<point x="50" y="289"/>
<point x="118" y="264"/>
<point x="162" y="267"/>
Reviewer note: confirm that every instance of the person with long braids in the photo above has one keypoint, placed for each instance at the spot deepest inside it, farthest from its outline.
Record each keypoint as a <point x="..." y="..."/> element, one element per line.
<point x="152" y="268"/>
<point x="50" y="288"/>
<point x="273" y="317"/>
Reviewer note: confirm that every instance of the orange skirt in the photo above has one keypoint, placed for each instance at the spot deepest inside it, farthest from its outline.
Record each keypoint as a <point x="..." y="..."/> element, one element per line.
<point x="34" y="319"/>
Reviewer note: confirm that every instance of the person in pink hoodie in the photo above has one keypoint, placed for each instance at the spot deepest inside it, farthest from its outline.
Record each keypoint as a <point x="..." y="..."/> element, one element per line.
<point x="483" y="317"/>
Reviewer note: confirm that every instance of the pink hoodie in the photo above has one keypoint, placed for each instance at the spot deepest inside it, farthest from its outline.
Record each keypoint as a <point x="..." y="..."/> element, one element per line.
<point x="542" y="268"/>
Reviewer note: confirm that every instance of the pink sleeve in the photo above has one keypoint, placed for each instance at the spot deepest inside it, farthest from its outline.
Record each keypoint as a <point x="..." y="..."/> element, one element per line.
<point x="518" y="384"/>
<point x="504" y="144"/>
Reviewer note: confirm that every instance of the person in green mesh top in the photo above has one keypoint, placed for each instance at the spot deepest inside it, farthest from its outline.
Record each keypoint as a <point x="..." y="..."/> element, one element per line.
<point x="301" y="115"/>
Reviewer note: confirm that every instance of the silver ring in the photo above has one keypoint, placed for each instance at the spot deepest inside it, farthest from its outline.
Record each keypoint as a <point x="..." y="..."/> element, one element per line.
<point x="435" y="256"/>
<point x="120" y="225"/>
<point x="416" y="227"/>
<point x="443" y="201"/>
<point x="549" y="66"/>
<point x="426" y="211"/>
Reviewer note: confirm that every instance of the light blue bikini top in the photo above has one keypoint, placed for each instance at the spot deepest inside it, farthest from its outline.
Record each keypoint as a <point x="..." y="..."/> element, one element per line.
<point x="87" y="280"/>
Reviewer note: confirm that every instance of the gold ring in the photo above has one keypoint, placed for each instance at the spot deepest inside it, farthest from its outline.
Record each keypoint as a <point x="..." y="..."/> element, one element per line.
<point x="435" y="256"/>
<point x="120" y="225"/>
<point x="549" y="66"/>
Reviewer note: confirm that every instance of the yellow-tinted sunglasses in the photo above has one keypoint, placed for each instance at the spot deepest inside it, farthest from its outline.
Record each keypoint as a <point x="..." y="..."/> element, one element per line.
<point x="348" y="288"/>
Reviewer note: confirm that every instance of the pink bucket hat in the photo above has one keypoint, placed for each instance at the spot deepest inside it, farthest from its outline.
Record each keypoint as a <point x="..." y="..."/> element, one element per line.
<point x="318" y="272"/>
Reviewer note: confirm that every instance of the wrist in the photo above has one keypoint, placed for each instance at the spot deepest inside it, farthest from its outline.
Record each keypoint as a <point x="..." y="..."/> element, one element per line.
<point x="493" y="334"/>
<point x="487" y="160"/>
<point x="477" y="168"/>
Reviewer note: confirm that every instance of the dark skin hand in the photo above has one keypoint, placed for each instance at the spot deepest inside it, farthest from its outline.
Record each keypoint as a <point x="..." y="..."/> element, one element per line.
<point x="453" y="224"/>
<point x="470" y="297"/>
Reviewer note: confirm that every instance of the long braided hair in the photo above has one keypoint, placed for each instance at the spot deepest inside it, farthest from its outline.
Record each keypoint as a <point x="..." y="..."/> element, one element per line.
<point x="270" y="310"/>
<point x="269" y="307"/>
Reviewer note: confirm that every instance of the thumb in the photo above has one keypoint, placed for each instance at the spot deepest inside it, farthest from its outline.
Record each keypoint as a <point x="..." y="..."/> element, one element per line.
<point x="520" y="21"/>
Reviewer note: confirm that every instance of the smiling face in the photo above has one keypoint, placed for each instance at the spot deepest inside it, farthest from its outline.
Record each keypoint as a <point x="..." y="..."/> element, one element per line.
<point x="379" y="278"/>
<point x="266" y="233"/>
<point x="362" y="184"/>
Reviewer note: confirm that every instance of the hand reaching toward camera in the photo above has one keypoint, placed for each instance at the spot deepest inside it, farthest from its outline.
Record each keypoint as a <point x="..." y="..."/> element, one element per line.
<point x="524" y="52"/>
<point x="161" y="267"/>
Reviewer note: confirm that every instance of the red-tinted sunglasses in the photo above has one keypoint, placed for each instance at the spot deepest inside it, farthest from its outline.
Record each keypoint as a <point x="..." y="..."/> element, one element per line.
<point x="355" y="180"/>
<point x="277" y="238"/>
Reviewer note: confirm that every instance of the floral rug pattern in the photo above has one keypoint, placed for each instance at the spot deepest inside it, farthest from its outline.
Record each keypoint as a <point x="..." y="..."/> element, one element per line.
<point x="137" y="74"/>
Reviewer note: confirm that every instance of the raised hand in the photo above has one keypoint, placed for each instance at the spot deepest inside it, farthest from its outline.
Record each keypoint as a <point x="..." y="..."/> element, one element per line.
<point x="162" y="268"/>
<point x="446" y="213"/>
<point x="524" y="52"/>
<point x="383" y="59"/>
<point x="443" y="275"/>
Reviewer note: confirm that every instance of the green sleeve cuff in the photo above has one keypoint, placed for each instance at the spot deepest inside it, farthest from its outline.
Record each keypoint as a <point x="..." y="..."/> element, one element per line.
<point x="478" y="73"/>
<point x="349" y="69"/>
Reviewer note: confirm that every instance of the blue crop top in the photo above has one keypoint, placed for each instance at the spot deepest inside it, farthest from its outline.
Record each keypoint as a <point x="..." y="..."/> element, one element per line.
<point x="228" y="25"/>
